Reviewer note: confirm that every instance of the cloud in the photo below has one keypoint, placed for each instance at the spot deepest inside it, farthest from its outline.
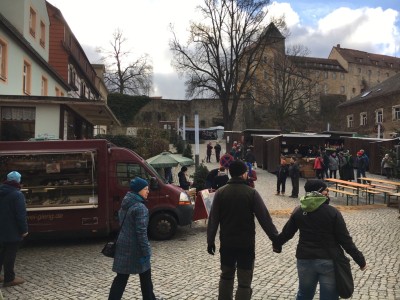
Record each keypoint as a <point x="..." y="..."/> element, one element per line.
<point x="367" y="29"/>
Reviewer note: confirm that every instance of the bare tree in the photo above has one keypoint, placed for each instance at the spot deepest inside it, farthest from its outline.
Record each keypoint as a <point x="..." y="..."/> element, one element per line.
<point x="287" y="90"/>
<point x="122" y="75"/>
<point x="223" y="52"/>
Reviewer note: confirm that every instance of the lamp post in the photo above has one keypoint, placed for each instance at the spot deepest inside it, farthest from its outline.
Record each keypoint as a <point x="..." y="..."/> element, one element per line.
<point x="196" y="138"/>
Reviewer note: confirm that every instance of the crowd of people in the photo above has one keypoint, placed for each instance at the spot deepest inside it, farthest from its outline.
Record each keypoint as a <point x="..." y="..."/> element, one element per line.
<point x="235" y="206"/>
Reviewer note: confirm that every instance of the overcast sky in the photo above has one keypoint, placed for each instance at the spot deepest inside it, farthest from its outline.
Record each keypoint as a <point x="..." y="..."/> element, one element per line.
<point x="369" y="25"/>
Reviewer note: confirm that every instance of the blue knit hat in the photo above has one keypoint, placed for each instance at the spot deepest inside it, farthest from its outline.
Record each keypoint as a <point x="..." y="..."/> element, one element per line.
<point x="138" y="184"/>
<point x="14" y="176"/>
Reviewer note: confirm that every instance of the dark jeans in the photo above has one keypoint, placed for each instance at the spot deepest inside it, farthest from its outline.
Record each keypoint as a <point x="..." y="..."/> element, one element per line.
<point x="240" y="258"/>
<point x="360" y="173"/>
<point x="8" y="254"/>
<point x="281" y="182"/>
<point x="120" y="281"/>
<point x="332" y="173"/>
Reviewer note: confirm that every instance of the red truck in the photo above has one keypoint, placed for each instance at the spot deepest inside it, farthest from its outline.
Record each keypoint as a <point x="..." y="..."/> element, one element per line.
<point x="75" y="188"/>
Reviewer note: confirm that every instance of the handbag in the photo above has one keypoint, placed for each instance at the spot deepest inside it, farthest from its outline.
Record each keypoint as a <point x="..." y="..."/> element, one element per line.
<point x="109" y="248"/>
<point x="343" y="275"/>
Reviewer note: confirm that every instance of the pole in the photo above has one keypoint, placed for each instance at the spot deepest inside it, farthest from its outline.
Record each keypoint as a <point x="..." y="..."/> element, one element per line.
<point x="184" y="128"/>
<point x="196" y="138"/>
<point x="177" y="126"/>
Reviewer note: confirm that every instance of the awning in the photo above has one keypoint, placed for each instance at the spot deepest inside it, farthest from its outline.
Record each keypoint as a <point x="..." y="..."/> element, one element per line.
<point x="94" y="111"/>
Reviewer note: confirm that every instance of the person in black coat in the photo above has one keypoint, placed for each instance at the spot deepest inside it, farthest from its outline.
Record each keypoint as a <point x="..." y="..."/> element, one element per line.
<point x="221" y="179"/>
<point x="183" y="182"/>
<point x="321" y="227"/>
<point x="210" y="178"/>
<point x="294" y="173"/>
<point x="13" y="226"/>
<point x="281" y="174"/>
<point x="217" y="149"/>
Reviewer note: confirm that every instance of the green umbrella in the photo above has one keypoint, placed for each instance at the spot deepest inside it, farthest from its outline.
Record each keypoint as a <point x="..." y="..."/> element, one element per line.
<point x="166" y="159"/>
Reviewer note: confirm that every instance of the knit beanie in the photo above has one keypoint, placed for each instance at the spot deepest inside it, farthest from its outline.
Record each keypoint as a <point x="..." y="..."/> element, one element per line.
<point x="314" y="185"/>
<point x="138" y="184"/>
<point x="237" y="168"/>
<point x="14" y="176"/>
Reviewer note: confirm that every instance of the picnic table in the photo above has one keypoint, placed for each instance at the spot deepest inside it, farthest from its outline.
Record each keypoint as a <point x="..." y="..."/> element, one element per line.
<point x="390" y="187"/>
<point x="357" y="187"/>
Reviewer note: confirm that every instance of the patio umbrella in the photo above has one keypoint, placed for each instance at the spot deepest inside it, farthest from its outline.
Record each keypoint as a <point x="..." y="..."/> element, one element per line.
<point x="166" y="159"/>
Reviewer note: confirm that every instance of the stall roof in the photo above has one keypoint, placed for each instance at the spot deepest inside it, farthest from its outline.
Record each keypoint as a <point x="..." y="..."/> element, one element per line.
<point x="297" y="135"/>
<point x="369" y="139"/>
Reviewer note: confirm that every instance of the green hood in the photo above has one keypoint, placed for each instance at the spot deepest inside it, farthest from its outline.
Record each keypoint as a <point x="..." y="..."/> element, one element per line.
<point x="311" y="201"/>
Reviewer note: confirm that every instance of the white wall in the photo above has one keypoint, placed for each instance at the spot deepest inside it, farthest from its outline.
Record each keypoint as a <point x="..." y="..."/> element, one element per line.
<point x="47" y="121"/>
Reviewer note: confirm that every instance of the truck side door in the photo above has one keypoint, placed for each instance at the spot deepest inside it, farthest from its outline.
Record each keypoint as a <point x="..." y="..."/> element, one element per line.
<point x="125" y="172"/>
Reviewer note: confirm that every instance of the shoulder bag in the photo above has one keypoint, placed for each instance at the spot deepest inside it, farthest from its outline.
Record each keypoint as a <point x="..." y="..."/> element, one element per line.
<point x="109" y="248"/>
<point x="343" y="275"/>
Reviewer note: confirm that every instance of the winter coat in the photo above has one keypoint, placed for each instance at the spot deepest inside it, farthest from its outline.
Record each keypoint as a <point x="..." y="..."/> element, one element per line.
<point x="321" y="226"/>
<point x="13" y="222"/>
<point x="132" y="255"/>
<point x="347" y="169"/>
<point x="333" y="163"/>
<point x="386" y="163"/>
<point x="283" y="172"/>
<point x="361" y="163"/>
<point x="183" y="182"/>
<point x="318" y="163"/>
<point x="209" y="149"/>
<point x="220" y="180"/>
<point x="294" y="170"/>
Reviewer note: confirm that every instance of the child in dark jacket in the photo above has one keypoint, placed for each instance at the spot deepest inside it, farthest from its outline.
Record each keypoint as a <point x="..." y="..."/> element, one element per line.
<point x="283" y="171"/>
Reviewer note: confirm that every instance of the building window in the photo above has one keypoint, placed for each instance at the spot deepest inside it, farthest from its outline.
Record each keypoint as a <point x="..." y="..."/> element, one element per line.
<point x="325" y="88"/>
<point x="354" y="90"/>
<point x="396" y="112"/>
<point x="83" y="90"/>
<point x="17" y="123"/>
<point x="342" y="89"/>
<point x="333" y="75"/>
<point x="44" y="90"/>
<point x="3" y="60"/>
<point x="342" y="76"/>
<point x="379" y="115"/>
<point x="59" y="93"/>
<point x="32" y="22"/>
<point x="27" y="78"/>
<point x="363" y="118"/>
<point x="42" y="34"/>
<point x="349" y="121"/>
<point x="326" y="74"/>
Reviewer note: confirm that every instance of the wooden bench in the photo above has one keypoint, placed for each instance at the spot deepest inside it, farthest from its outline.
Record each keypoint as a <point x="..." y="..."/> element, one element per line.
<point x="383" y="186"/>
<point x="342" y="186"/>
<point x="348" y="194"/>
<point x="385" y="192"/>
<point x="397" y="195"/>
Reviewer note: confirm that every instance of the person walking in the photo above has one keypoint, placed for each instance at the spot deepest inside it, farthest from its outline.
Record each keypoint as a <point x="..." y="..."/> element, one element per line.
<point x="387" y="165"/>
<point x="319" y="167"/>
<point x="133" y="252"/>
<point x="251" y="177"/>
<point x="333" y="165"/>
<point x="348" y="167"/>
<point x="294" y="173"/>
<point x="13" y="226"/>
<point x="281" y="174"/>
<point x="320" y="226"/>
<point x="361" y="165"/>
<point x="250" y="159"/>
<point x="226" y="160"/>
<point x="233" y="210"/>
<point x="221" y="179"/>
<point x="217" y="149"/>
<point x="209" y="152"/>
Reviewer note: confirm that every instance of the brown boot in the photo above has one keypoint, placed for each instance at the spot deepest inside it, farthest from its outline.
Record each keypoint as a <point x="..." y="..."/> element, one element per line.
<point x="16" y="281"/>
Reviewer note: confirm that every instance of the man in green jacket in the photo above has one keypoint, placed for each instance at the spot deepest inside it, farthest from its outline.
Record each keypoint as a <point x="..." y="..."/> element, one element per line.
<point x="233" y="209"/>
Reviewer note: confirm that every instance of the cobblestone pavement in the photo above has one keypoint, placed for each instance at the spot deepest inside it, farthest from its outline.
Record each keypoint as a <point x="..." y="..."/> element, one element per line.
<point x="182" y="269"/>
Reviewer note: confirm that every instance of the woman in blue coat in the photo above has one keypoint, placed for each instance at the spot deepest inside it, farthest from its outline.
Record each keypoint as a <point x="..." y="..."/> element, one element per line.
<point x="132" y="254"/>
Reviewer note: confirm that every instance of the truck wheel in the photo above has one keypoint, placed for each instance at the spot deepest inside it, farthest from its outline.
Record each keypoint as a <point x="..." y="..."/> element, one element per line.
<point x="162" y="226"/>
